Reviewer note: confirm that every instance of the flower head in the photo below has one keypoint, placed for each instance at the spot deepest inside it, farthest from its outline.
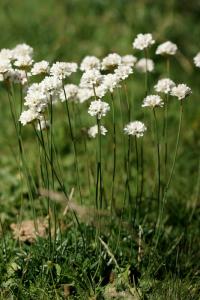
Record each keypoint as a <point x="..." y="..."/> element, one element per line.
<point x="167" y="48"/>
<point x="181" y="91"/>
<point x="129" y="60"/>
<point x="71" y="93"/>
<point x="111" y="61"/>
<point x="153" y="101"/>
<point x="91" y="78"/>
<point x="41" y="67"/>
<point x="51" y="85"/>
<point x="135" y="128"/>
<point x="123" y="71"/>
<point x="5" y="66"/>
<point x="36" y="98"/>
<point x="93" y="131"/>
<point x="144" y="65"/>
<point x="98" y="108"/>
<point x="63" y="69"/>
<point x="22" y="50"/>
<point x="90" y="62"/>
<point x="164" y="86"/>
<point x="23" y="61"/>
<point x="110" y="82"/>
<point x="28" y="116"/>
<point x="197" y="60"/>
<point x="84" y="94"/>
<point x="143" y="41"/>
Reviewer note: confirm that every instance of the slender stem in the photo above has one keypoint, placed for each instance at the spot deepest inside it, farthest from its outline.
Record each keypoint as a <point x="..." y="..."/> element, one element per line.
<point x="114" y="154"/>
<point x="74" y="145"/>
<point x="146" y="80"/>
<point x="99" y="162"/>
<point x="158" y="157"/>
<point x="137" y="175"/>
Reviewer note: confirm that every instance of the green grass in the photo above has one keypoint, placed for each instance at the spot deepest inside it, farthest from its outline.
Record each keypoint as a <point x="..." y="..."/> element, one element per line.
<point x="69" y="30"/>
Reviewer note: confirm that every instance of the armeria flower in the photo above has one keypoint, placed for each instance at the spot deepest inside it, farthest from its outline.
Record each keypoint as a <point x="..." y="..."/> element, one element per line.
<point x="144" y="65"/>
<point x="91" y="78"/>
<point x="111" y="61"/>
<point x="5" y="66"/>
<point x="22" y="50"/>
<point x="100" y="91"/>
<point x="153" y="101"/>
<point x="28" y="116"/>
<point x="71" y="93"/>
<point x="135" y="128"/>
<point x="35" y="98"/>
<point x="197" y="60"/>
<point x="6" y="54"/>
<point x="51" y="85"/>
<point x="98" y="108"/>
<point x="110" y="82"/>
<point x="90" y="62"/>
<point x="123" y="71"/>
<point x="41" y="67"/>
<point x="181" y="91"/>
<point x="84" y="94"/>
<point x="23" y="61"/>
<point x="93" y="131"/>
<point x="164" y="86"/>
<point x="167" y="48"/>
<point x="63" y="69"/>
<point x="16" y="76"/>
<point x="143" y="41"/>
<point x="129" y="60"/>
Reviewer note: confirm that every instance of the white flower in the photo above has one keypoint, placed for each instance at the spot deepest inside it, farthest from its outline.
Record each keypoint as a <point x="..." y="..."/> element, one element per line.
<point x="144" y="65"/>
<point x="135" y="128"/>
<point x="42" y="124"/>
<point x="35" y="98"/>
<point x="110" y="82"/>
<point x="143" y="41"/>
<point x="197" y="60"/>
<point x="164" y="86"/>
<point x="111" y="61"/>
<point x="71" y="92"/>
<point x="152" y="101"/>
<point x="22" y="50"/>
<point x="129" y="60"/>
<point x="51" y="85"/>
<point x="63" y="69"/>
<point x="98" y="108"/>
<point x="91" y="78"/>
<point x="28" y="116"/>
<point x="6" y="54"/>
<point x="41" y="67"/>
<point x="181" y="91"/>
<point x="90" y="62"/>
<point x="123" y="71"/>
<point x="23" y="61"/>
<point x="93" y="131"/>
<point x="100" y="91"/>
<point x="5" y="66"/>
<point x="84" y="94"/>
<point x="16" y="76"/>
<point x="167" y="48"/>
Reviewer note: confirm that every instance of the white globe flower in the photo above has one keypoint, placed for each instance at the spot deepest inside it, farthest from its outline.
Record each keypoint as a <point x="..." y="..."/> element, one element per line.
<point x="111" y="61"/>
<point x="90" y="62"/>
<point x="135" y="128"/>
<point x="98" y="108"/>
<point x="143" y="41"/>
<point x="167" y="48"/>
<point x="93" y="131"/>
<point x="143" y="65"/>
<point x="164" y="86"/>
<point x="153" y="101"/>
<point x="181" y="91"/>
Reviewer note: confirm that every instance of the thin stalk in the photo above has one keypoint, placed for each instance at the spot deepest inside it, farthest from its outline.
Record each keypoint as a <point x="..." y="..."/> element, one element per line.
<point x="146" y="79"/>
<point x="158" y="156"/>
<point x="74" y="145"/>
<point x="114" y="155"/>
<point x="137" y="183"/>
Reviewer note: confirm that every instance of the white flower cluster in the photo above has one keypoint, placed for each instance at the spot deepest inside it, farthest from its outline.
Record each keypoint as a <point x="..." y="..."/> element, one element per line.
<point x="70" y="93"/>
<point x="181" y="91"/>
<point x="197" y="60"/>
<point x="153" y="101"/>
<point x="164" y="85"/>
<point x="111" y="61"/>
<point x="41" y="67"/>
<point x="90" y="62"/>
<point x="91" y="78"/>
<point x="129" y="60"/>
<point x="144" y="65"/>
<point x="62" y="70"/>
<point x="143" y="41"/>
<point x="167" y="48"/>
<point x="135" y="128"/>
<point x="93" y="131"/>
<point x="98" y="108"/>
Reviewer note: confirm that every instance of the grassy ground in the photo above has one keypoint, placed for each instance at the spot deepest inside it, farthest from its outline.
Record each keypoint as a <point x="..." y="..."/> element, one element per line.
<point x="74" y="264"/>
